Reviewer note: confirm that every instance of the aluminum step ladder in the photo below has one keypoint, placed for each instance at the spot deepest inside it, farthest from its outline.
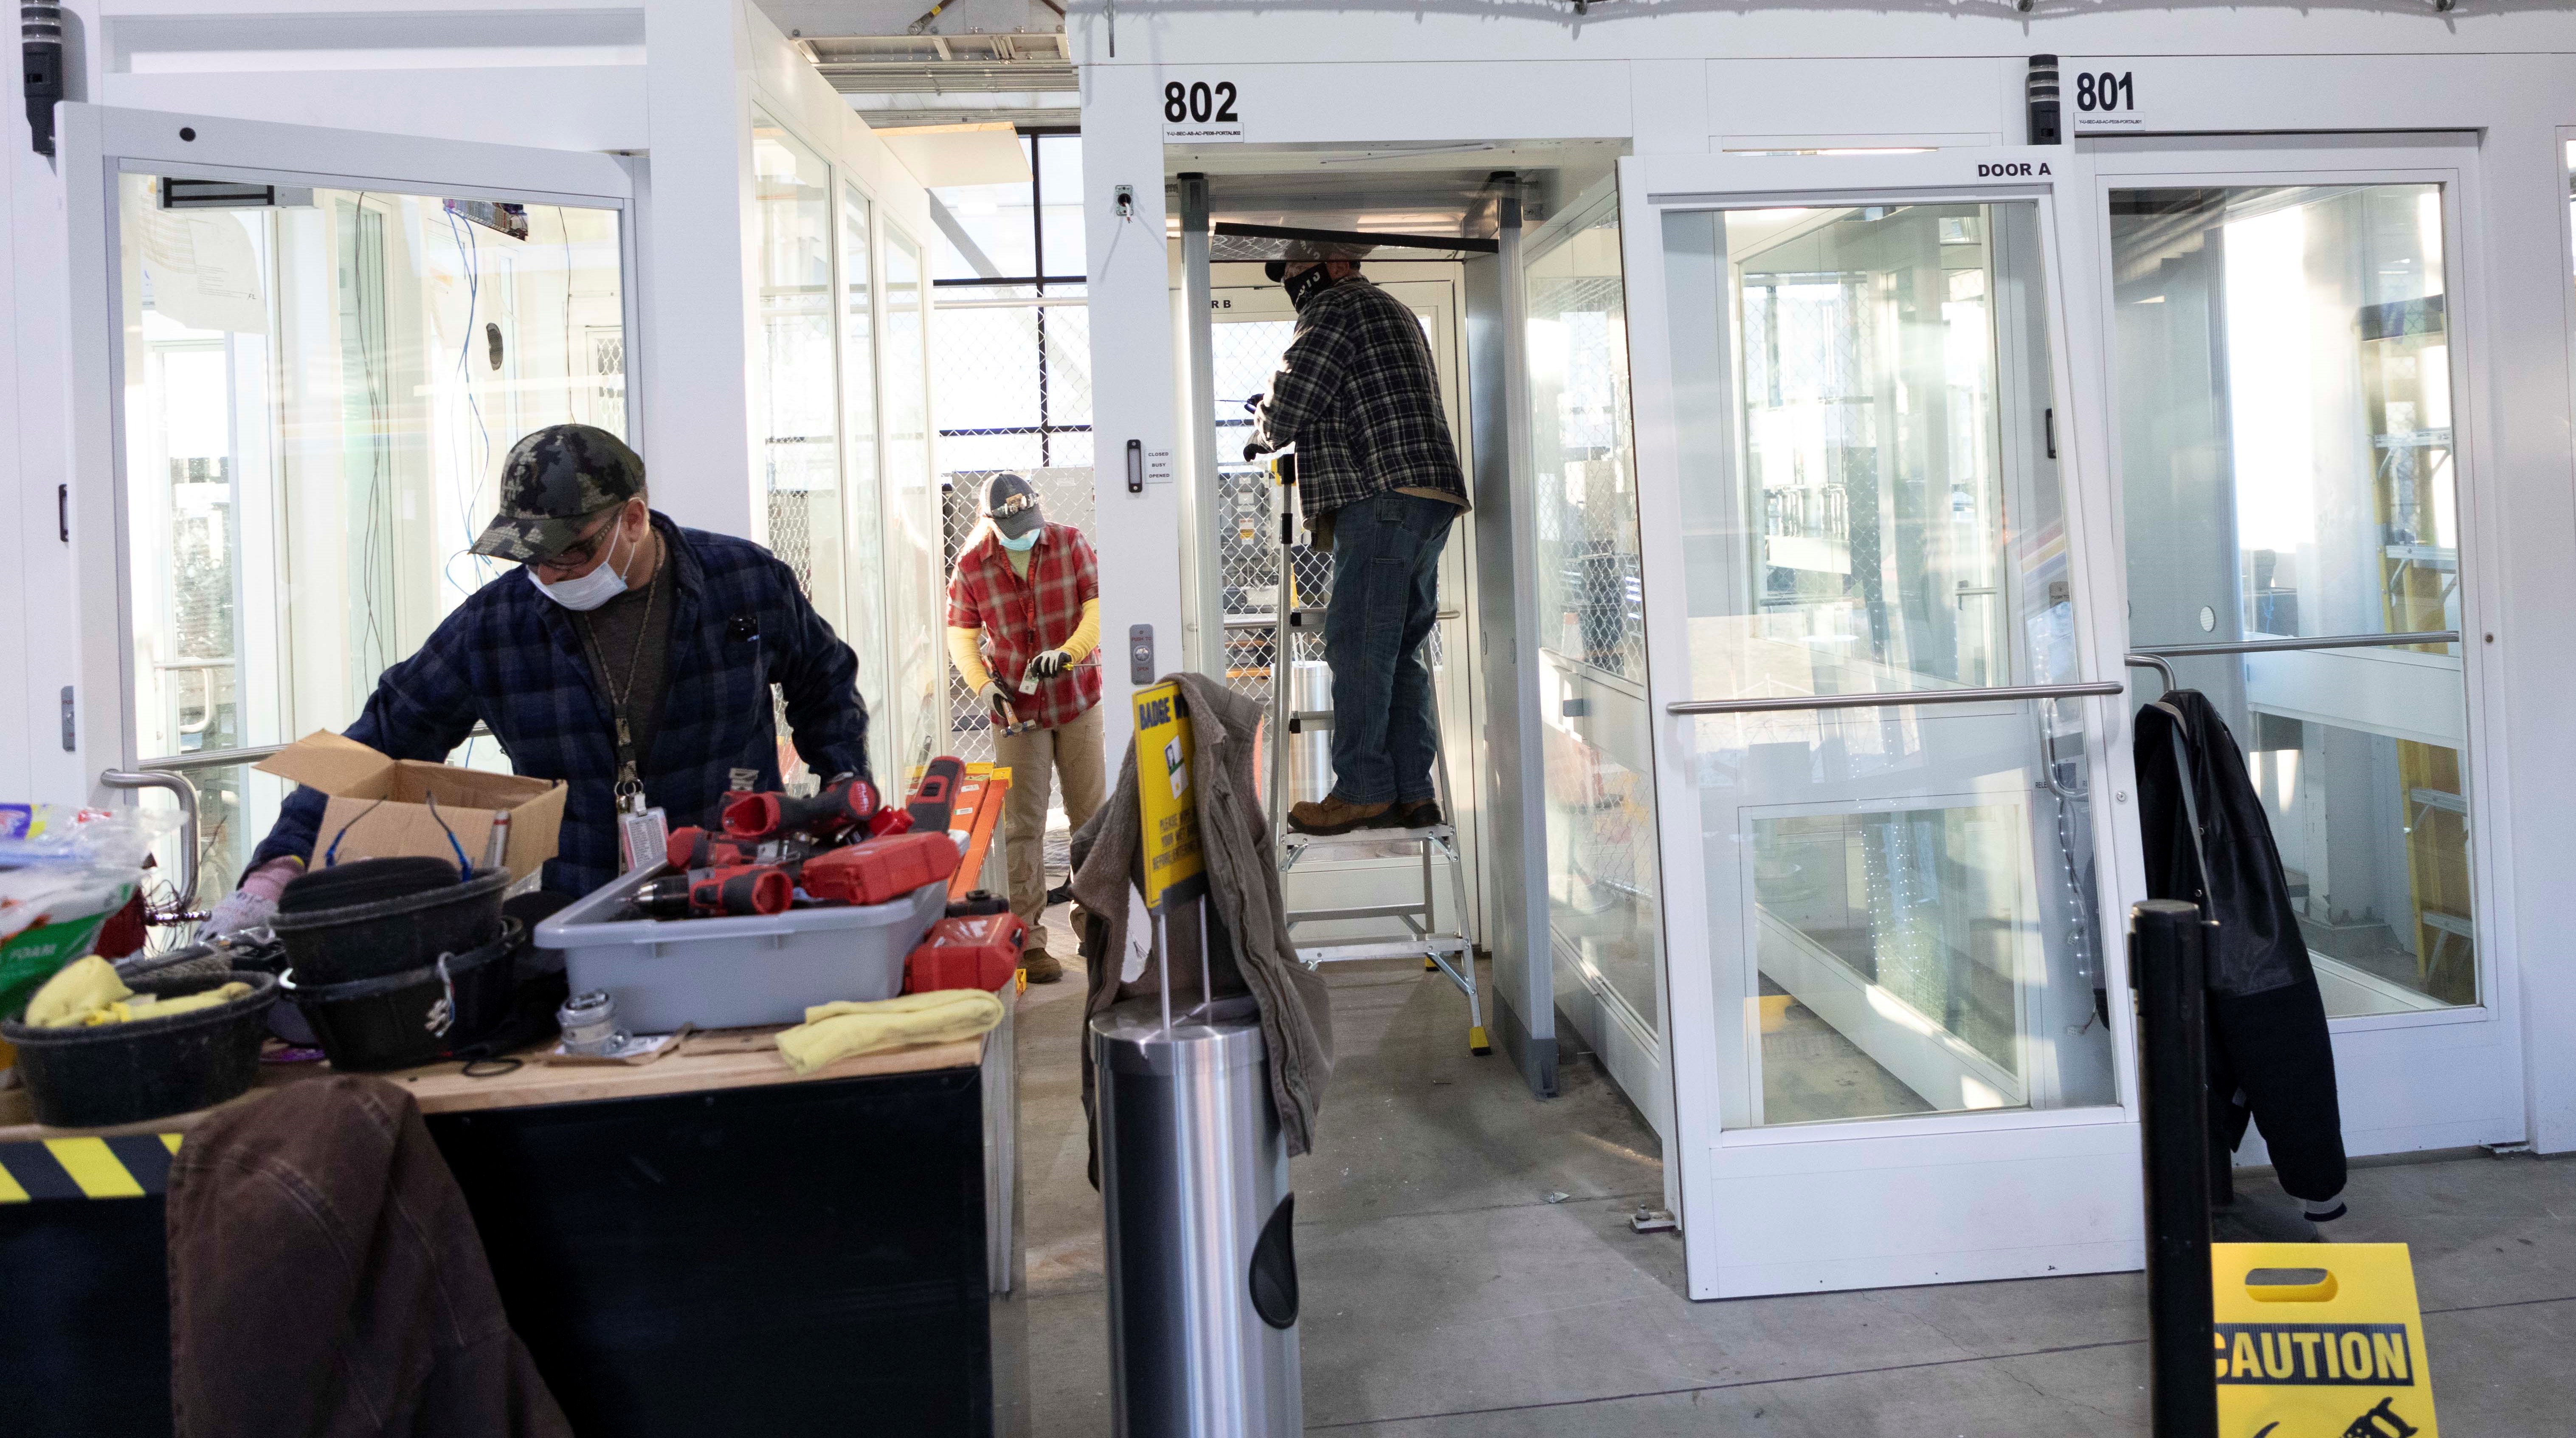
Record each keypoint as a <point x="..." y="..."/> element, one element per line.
<point x="1450" y="952"/>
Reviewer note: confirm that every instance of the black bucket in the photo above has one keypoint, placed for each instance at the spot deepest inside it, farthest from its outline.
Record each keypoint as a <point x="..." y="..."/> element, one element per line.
<point x="148" y="1068"/>
<point x="394" y="1021"/>
<point x="391" y="936"/>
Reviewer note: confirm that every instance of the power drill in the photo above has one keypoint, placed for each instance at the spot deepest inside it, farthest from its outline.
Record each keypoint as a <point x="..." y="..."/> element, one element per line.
<point x="734" y="891"/>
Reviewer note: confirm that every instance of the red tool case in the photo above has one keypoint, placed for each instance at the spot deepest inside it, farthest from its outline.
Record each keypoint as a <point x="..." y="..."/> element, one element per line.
<point x="978" y="951"/>
<point x="877" y="870"/>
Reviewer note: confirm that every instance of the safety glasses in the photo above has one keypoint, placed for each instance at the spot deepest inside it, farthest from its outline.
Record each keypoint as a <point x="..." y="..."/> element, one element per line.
<point x="578" y="553"/>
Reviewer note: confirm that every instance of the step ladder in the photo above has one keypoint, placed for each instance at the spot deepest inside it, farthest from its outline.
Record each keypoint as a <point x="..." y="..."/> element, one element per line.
<point x="1450" y="952"/>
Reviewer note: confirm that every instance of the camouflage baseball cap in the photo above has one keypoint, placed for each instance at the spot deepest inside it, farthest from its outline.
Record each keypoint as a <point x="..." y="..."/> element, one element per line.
<point x="554" y="480"/>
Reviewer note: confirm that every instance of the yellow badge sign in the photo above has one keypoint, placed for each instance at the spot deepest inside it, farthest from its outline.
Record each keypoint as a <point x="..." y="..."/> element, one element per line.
<point x="2319" y="1341"/>
<point x="1168" y="808"/>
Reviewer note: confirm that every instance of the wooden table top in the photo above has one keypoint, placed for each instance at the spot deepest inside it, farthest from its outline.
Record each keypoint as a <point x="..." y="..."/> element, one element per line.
<point x="705" y="1062"/>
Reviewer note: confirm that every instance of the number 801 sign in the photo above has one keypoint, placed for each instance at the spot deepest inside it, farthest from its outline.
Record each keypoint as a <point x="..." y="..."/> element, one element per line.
<point x="2106" y="100"/>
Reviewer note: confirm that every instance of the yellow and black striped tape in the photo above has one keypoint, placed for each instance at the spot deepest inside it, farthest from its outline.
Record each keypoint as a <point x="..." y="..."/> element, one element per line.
<point x="128" y="1167"/>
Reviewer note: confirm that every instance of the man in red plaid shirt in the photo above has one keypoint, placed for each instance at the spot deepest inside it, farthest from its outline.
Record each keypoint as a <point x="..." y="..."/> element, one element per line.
<point x="1023" y="622"/>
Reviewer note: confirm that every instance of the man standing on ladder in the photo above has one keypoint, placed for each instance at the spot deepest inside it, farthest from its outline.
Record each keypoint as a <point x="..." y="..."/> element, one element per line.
<point x="1023" y="620"/>
<point x="1379" y="483"/>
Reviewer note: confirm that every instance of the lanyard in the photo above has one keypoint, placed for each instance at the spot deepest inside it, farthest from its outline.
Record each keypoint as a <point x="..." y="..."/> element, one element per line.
<point x="630" y="787"/>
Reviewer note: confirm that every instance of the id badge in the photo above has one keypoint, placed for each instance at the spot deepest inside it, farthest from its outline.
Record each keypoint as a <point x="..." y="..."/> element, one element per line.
<point x="643" y="838"/>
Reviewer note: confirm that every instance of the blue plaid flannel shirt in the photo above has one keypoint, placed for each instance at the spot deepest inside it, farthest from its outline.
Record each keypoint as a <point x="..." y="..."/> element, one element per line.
<point x="510" y="658"/>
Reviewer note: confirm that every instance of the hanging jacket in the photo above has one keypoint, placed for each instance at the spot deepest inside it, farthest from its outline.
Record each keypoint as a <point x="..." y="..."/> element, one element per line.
<point x="1249" y="947"/>
<point x="2271" y="1057"/>
<point x="326" y="1280"/>
<point x="2259" y="943"/>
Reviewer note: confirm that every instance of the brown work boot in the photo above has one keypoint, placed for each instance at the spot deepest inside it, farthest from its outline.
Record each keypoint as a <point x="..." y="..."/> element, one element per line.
<point x="1334" y="814"/>
<point x="1420" y="814"/>
<point x="1041" y="966"/>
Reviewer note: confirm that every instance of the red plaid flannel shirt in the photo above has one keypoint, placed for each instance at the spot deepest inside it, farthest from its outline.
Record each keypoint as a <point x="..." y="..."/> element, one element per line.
<point x="1023" y="618"/>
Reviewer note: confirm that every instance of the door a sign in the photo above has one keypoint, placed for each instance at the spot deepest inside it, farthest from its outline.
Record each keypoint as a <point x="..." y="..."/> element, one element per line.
<point x="2319" y="1341"/>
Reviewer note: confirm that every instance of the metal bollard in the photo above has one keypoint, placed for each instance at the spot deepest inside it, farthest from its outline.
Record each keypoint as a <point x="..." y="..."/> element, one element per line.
<point x="2167" y="949"/>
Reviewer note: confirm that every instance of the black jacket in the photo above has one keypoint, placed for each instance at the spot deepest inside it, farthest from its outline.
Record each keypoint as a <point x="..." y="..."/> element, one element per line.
<point x="2259" y="944"/>
<point x="2271" y="1057"/>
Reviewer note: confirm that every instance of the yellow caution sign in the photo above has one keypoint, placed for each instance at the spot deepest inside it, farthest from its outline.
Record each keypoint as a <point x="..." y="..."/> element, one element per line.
<point x="2320" y="1340"/>
<point x="1174" y="867"/>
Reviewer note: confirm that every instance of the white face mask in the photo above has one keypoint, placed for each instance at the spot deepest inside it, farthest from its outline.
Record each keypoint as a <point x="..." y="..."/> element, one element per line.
<point x="588" y="591"/>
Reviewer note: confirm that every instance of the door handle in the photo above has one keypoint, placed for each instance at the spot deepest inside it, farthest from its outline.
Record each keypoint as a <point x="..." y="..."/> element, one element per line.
<point x="181" y="912"/>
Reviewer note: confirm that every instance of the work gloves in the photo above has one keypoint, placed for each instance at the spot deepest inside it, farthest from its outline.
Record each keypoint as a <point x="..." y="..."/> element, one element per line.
<point x="251" y="905"/>
<point x="993" y="697"/>
<point x="1050" y="664"/>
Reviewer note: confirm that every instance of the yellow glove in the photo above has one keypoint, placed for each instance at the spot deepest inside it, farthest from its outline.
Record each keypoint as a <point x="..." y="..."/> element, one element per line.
<point x="1085" y="637"/>
<point x="83" y="987"/>
<point x="966" y="651"/>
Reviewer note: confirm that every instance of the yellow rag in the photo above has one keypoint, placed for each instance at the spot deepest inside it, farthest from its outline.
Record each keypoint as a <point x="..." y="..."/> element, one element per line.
<point x="835" y="1031"/>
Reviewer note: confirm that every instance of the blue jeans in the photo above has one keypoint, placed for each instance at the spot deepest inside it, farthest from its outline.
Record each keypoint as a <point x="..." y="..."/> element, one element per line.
<point x="1386" y="594"/>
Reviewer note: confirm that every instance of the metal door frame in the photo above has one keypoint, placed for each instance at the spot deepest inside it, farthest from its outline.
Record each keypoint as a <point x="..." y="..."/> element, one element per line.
<point x="2450" y="159"/>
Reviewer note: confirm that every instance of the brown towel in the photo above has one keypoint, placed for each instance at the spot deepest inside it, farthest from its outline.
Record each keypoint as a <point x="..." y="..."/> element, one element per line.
<point x="326" y="1280"/>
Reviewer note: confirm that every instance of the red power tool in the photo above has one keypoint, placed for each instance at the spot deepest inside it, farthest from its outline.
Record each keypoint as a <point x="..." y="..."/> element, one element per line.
<point x="848" y="805"/>
<point x="735" y="891"/>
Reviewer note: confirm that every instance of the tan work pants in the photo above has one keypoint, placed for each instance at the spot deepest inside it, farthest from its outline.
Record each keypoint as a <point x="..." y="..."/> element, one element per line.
<point x="1070" y="754"/>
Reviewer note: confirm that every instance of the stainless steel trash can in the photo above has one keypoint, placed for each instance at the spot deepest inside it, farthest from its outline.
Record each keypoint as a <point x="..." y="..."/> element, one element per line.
<point x="1195" y="1202"/>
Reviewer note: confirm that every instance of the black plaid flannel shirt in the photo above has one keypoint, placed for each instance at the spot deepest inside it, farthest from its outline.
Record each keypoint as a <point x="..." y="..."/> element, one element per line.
<point x="511" y="658"/>
<point x="1357" y="394"/>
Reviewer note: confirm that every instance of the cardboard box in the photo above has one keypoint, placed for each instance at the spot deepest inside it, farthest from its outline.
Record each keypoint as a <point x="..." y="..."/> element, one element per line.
<point x="380" y="806"/>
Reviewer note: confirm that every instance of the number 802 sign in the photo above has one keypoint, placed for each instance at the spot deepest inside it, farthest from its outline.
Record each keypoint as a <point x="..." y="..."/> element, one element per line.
<point x="1201" y="110"/>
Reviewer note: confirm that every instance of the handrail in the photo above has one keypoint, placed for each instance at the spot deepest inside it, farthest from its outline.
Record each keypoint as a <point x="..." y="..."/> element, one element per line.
<point x="186" y="793"/>
<point x="1897" y="700"/>
<point x="2158" y="664"/>
<point x="2270" y="646"/>
<point x="211" y="759"/>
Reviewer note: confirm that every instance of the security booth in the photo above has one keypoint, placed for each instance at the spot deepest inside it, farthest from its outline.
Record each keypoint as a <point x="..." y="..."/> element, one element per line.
<point x="1852" y="455"/>
<point x="301" y="350"/>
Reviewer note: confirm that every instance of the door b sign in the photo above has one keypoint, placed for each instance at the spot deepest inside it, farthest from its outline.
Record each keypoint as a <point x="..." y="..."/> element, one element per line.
<point x="2319" y="1341"/>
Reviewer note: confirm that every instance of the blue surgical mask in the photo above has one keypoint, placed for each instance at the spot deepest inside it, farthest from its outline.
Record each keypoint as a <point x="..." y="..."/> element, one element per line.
<point x="1023" y="544"/>
<point x="588" y="591"/>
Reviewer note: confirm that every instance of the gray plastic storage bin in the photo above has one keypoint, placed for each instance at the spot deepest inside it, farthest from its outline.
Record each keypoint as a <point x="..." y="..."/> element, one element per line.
<point x="723" y="973"/>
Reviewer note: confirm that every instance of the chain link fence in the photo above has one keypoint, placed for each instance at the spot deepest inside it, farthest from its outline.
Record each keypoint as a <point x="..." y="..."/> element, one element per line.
<point x="1013" y="371"/>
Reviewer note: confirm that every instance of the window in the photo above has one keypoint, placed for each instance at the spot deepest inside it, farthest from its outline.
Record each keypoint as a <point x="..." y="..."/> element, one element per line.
<point x="795" y="410"/>
<point x="319" y="389"/>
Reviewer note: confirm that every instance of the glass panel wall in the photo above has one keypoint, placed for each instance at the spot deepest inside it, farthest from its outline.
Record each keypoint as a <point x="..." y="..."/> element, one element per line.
<point x="865" y="521"/>
<point x="319" y="388"/>
<point x="1604" y="886"/>
<point x="913" y="528"/>
<point x="794" y="408"/>
<point x="2284" y="374"/>
<point x="1899" y="896"/>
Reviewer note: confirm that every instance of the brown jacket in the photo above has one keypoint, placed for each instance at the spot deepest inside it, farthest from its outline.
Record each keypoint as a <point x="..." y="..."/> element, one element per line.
<point x="1249" y="947"/>
<point x="326" y="1280"/>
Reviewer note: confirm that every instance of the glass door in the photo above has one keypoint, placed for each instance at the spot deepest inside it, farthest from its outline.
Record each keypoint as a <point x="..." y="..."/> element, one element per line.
<point x="1895" y="1051"/>
<point x="298" y="392"/>
<point x="2296" y="465"/>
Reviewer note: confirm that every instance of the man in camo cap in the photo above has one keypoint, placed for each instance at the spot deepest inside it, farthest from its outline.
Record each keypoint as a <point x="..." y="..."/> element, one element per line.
<point x="631" y="658"/>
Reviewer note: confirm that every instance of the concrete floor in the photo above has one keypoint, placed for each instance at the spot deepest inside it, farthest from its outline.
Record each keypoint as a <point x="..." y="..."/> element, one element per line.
<point x="1444" y="1295"/>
